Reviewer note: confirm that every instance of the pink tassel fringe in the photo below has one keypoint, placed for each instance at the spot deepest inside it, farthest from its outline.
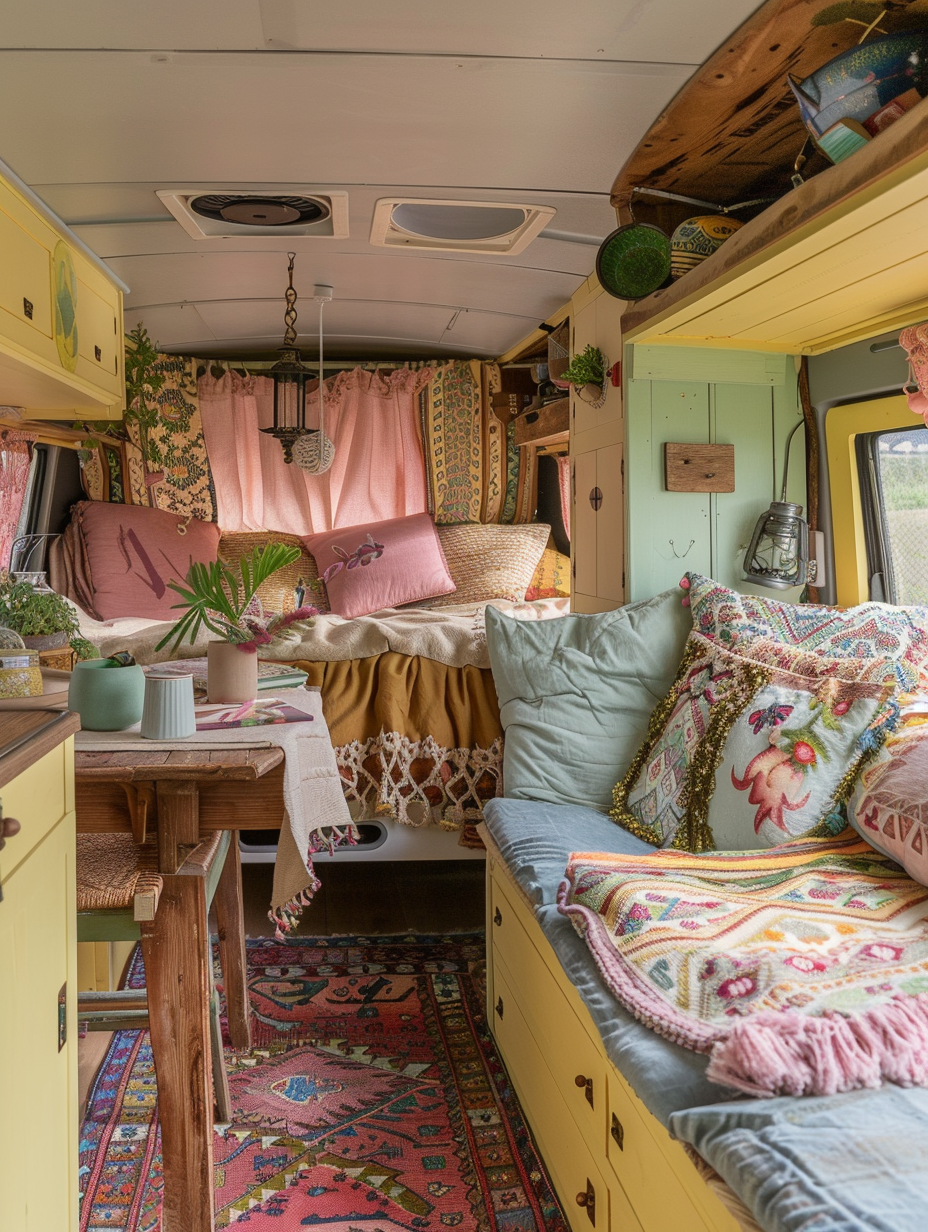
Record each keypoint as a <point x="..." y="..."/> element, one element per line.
<point x="787" y="1053"/>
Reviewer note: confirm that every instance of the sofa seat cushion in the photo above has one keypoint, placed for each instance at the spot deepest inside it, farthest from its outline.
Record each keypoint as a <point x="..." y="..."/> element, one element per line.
<point x="576" y="694"/>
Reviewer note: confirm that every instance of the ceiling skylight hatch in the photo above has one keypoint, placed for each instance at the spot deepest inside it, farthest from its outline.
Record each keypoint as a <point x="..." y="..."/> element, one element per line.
<point x="208" y="214"/>
<point x="457" y="226"/>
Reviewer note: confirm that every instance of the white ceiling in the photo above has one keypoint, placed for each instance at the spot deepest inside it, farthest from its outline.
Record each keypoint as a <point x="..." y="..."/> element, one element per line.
<point x="103" y="103"/>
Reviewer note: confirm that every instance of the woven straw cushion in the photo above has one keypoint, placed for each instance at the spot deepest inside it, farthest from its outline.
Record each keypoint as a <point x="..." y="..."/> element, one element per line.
<point x="490" y="561"/>
<point x="278" y="593"/>
<point x="112" y="869"/>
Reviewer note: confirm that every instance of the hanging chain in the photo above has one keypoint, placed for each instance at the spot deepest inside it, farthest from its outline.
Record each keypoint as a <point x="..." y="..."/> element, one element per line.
<point x="290" y="314"/>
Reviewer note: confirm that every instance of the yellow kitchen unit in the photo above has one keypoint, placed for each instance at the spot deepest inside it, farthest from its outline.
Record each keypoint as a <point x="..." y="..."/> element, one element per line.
<point x="61" y="315"/>
<point x="38" y="974"/>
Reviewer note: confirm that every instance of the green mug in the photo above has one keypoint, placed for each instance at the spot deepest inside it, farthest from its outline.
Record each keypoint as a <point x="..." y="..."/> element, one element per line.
<point x="106" y="695"/>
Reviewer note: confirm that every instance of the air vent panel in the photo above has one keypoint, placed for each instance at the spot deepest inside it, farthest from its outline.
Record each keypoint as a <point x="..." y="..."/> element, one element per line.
<point x="457" y="226"/>
<point x="208" y="214"/>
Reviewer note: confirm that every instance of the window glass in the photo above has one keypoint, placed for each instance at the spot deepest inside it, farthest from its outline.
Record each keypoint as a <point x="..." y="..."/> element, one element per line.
<point x="901" y="471"/>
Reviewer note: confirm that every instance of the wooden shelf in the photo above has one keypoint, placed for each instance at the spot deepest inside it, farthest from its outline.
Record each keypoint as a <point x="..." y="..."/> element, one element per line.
<point x="841" y="258"/>
<point x="546" y="425"/>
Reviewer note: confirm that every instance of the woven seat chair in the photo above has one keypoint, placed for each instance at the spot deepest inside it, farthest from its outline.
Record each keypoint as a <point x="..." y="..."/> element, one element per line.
<point x="118" y="894"/>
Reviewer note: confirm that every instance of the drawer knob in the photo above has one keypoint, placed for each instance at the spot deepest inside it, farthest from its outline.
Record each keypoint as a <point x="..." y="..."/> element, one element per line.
<point x="618" y="1132"/>
<point x="499" y="1007"/>
<point x="586" y="1084"/>
<point x="8" y="827"/>
<point x="497" y="916"/>
<point x="587" y="1199"/>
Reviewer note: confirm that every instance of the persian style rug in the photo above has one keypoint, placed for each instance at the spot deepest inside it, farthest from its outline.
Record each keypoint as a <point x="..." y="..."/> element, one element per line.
<point x="372" y="1100"/>
<point x="802" y="970"/>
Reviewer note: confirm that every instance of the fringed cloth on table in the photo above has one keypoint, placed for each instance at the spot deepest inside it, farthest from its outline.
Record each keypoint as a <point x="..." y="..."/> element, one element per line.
<point x="316" y="816"/>
<point x="801" y="970"/>
<point x="415" y="740"/>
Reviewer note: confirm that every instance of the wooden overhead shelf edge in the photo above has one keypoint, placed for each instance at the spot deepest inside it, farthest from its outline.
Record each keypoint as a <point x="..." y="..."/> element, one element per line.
<point x="841" y="257"/>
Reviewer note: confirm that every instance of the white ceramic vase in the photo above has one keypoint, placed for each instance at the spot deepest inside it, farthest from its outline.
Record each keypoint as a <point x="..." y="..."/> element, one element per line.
<point x="231" y="674"/>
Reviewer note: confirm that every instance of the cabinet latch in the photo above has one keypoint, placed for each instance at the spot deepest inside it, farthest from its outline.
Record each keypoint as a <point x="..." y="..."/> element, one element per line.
<point x="499" y="1007"/>
<point x="586" y="1085"/>
<point x="587" y="1199"/>
<point x="28" y="308"/>
<point x="618" y="1132"/>
<point x="497" y="917"/>
<point x="62" y="1016"/>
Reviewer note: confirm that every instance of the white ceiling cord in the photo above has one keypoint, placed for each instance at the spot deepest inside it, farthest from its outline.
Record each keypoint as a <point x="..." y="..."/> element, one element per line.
<point x="314" y="452"/>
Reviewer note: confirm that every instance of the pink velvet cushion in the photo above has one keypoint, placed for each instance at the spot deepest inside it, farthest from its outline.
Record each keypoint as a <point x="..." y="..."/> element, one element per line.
<point x="889" y="804"/>
<point x="133" y="552"/>
<point x="381" y="564"/>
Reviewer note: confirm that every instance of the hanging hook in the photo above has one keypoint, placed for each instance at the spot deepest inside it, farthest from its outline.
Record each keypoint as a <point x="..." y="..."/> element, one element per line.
<point x="681" y="556"/>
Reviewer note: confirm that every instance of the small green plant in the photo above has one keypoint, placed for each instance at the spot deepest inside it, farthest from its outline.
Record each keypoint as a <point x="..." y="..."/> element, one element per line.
<point x="84" y="649"/>
<point x="226" y="602"/>
<point x="587" y="368"/>
<point x="34" y="613"/>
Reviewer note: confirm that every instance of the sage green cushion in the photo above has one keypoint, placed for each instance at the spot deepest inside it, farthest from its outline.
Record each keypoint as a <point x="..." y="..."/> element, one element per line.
<point x="576" y="694"/>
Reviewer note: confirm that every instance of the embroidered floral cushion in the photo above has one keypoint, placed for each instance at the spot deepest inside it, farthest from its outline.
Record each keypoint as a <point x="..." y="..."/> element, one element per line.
<point x="750" y="749"/>
<point x="131" y="553"/>
<point x="381" y="564"/>
<point x="491" y="561"/>
<point x="551" y="579"/>
<point x="870" y="631"/>
<point x="889" y="804"/>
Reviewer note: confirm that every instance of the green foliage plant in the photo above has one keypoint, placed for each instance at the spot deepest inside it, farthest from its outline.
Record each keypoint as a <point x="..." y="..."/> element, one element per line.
<point x="587" y="368"/>
<point x="217" y="597"/>
<point x="34" y="613"/>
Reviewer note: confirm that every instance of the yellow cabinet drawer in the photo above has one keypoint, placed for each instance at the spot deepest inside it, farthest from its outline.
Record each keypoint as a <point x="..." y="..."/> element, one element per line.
<point x="98" y="334"/>
<point x="38" y="798"/>
<point x="573" y="1168"/>
<point x="25" y="276"/>
<point x="575" y="1061"/>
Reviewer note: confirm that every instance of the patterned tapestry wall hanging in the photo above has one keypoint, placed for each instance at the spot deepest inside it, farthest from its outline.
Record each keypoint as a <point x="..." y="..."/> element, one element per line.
<point x="475" y="470"/>
<point x="163" y="463"/>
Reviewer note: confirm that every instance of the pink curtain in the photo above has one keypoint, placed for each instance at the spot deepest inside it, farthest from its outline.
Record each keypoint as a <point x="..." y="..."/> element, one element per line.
<point x="15" y="457"/>
<point x="372" y="420"/>
<point x="563" y="481"/>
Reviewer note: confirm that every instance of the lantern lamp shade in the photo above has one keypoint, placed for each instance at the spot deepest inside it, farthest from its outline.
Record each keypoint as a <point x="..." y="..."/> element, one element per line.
<point x="778" y="555"/>
<point x="289" y="377"/>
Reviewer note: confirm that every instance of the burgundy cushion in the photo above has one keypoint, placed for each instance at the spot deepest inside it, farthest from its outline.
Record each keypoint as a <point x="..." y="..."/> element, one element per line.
<point x="381" y="564"/>
<point x="133" y="553"/>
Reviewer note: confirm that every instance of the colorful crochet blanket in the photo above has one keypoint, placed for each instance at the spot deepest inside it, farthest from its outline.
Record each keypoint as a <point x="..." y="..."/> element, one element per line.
<point x="802" y="970"/>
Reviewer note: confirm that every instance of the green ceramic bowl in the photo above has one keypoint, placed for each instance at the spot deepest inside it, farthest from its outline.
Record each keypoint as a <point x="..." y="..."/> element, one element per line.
<point x="634" y="260"/>
<point x="107" y="696"/>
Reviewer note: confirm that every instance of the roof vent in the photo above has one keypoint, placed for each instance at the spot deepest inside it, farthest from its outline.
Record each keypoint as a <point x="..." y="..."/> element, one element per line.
<point x="219" y="215"/>
<point x="457" y="226"/>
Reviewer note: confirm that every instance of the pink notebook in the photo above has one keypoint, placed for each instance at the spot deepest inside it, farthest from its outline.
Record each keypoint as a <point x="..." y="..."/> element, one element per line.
<point x="260" y="713"/>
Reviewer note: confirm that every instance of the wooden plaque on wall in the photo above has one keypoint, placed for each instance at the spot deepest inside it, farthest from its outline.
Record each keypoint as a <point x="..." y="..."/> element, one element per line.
<point x="699" y="468"/>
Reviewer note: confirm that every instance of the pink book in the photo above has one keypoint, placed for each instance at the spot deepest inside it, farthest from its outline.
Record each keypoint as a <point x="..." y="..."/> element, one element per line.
<point x="260" y="713"/>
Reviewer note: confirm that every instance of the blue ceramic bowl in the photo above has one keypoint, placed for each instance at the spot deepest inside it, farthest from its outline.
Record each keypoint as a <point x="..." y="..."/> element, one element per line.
<point x="107" y="696"/>
<point x="859" y="82"/>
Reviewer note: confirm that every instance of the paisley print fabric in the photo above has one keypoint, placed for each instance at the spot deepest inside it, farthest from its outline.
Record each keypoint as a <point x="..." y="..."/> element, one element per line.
<point x="802" y="970"/>
<point x="748" y="750"/>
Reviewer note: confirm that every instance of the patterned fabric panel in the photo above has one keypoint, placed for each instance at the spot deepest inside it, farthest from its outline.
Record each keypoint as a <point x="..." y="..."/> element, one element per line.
<point x="551" y="579"/>
<point x="279" y="593"/>
<point x="889" y="804"/>
<point x="870" y="631"/>
<point x="801" y="970"/>
<point x="745" y="752"/>
<point x="491" y="562"/>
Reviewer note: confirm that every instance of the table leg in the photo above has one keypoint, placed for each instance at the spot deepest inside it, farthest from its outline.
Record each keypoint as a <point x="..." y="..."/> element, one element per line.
<point x="230" y="925"/>
<point x="178" y="821"/>
<point x="175" y="946"/>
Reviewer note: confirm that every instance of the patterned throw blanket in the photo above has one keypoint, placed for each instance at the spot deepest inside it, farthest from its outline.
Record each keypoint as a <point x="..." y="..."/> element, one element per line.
<point x="802" y="970"/>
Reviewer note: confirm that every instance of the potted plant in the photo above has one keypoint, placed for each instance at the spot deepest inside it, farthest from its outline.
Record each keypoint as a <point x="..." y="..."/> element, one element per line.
<point x="587" y="368"/>
<point x="42" y="618"/>
<point x="227" y="604"/>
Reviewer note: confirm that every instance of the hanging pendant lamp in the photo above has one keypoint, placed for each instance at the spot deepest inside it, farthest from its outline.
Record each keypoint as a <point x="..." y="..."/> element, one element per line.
<point x="289" y="377"/>
<point x="778" y="555"/>
<point x="314" y="452"/>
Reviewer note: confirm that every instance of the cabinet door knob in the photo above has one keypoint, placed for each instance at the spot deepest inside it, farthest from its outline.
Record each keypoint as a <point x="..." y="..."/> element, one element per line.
<point x="499" y="1007"/>
<point x="586" y="1084"/>
<point x="596" y="498"/>
<point x="9" y="826"/>
<point x="618" y="1132"/>
<point x="587" y="1199"/>
<point x="497" y="916"/>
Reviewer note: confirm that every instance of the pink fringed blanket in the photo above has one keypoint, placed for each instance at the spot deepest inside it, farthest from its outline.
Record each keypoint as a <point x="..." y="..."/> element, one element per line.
<point x="802" y="970"/>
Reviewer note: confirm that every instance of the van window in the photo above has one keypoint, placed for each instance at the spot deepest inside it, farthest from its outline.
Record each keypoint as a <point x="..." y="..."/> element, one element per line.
<point x="893" y="468"/>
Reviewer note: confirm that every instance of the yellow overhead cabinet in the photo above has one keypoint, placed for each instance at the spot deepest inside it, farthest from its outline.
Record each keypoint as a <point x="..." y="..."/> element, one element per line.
<point x="61" y="316"/>
<point x="38" y="975"/>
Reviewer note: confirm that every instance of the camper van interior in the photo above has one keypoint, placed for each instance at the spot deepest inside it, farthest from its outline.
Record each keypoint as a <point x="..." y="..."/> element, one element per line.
<point x="464" y="616"/>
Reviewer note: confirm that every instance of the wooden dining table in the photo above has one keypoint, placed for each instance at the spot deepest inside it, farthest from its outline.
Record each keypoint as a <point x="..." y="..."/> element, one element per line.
<point x="181" y="796"/>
